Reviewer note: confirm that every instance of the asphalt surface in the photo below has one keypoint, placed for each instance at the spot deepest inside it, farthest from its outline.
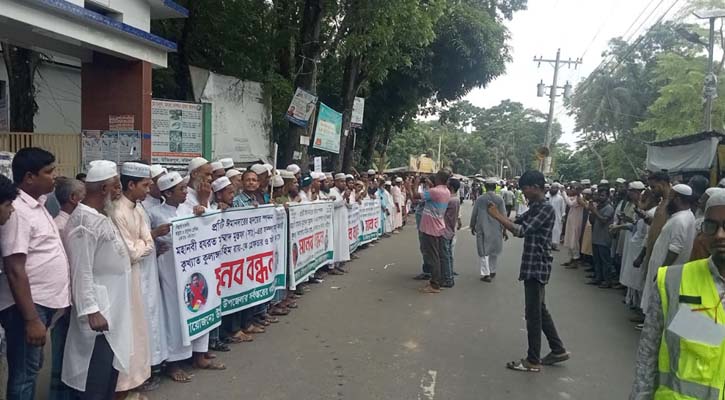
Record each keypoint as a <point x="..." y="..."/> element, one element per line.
<point x="371" y="335"/>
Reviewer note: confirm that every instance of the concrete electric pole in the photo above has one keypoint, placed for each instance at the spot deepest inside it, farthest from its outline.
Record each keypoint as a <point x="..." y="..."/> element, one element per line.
<point x="545" y="152"/>
<point x="710" y="90"/>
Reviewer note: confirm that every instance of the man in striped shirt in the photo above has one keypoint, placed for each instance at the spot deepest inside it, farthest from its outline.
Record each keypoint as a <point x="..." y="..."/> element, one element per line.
<point x="433" y="227"/>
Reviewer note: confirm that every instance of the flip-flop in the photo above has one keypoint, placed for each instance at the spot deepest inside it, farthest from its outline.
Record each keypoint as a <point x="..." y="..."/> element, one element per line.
<point x="212" y="366"/>
<point x="180" y="376"/>
<point x="523" y="366"/>
<point x="243" y="337"/>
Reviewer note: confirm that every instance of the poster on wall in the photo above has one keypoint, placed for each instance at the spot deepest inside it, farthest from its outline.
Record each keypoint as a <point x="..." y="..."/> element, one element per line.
<point x="310" y="239"/>
<point x="177" y="131"/>
<point x="358" y="110"/>
<point x="116" y="146"/>
<point x="301" y="108"/>
<point x="327" y="131"/>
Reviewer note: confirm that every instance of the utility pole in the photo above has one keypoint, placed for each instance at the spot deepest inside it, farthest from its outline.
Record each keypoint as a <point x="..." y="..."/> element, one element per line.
<point x="545" y="165"/>
<point x="709" y="91"/>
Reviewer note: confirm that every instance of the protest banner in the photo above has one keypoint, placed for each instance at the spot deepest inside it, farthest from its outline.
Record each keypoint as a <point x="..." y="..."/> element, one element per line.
<point x="227" y="262"/>
<point x="370" y="224"/>
<point x="301" y="108"/>
<point x="353" y="227"/>
<point x="358" y="110"/>
<point x="327" y="131"/>
<point x="310" y="239"/>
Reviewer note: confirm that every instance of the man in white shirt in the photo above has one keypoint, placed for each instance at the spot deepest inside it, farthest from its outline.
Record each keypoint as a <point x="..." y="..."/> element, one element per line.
<point x="674" y="243"/>
<point x="100" y="337"/>
<point x="199" y="187"/>
<point x="154" y="197"/>
<point x="557" y="201"/>
<point x="69" y="192"/>
<point x="340" y="197"/>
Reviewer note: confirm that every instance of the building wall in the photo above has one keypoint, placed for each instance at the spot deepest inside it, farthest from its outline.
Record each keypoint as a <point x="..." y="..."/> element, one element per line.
<point x="58" y="97"/>
<point x="136" y="13"/>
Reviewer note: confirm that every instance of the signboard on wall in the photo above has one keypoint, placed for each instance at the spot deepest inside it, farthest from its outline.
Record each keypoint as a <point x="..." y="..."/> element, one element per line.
<point x="301" y="108"/>
<point x="327" y="131"/>
<point x="177" y="131"/>
<point x="358" y="110"/>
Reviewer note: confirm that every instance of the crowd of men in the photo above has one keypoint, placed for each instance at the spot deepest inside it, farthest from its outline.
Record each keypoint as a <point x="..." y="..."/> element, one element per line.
<point x="89" y="259"/>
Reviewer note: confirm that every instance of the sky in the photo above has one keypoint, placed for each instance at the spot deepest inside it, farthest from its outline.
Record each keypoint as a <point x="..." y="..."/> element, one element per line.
<point x="581" y="29"/>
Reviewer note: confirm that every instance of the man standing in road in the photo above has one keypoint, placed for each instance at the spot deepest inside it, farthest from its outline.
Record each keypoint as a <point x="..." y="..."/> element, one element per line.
<point x="433" y="227"/>
<point x="489" y="232"/>
<point x="557" y="201"/>
<point x="508" y="195"/>
<point x="535" y="227"/>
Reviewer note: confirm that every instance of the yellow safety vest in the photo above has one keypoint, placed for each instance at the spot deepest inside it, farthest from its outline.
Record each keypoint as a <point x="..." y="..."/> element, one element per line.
<point x="688" y="369"/>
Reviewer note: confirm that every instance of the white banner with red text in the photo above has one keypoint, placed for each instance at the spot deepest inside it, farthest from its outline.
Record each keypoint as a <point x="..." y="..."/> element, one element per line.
<point x="310" y="239"/>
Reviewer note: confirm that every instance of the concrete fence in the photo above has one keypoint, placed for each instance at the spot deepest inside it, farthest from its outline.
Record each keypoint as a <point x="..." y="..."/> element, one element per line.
<point x="65" y="146"/>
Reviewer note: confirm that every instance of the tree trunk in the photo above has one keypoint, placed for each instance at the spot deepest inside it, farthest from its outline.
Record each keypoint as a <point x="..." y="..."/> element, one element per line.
<point x="369" y="150"/>
<point x="350" y="85"/>
<point x="21" y="65"/>
<point x="306" y="79"/>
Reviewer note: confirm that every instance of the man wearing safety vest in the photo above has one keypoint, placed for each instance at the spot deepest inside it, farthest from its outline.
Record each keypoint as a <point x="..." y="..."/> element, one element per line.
<point x="682" y="348"/>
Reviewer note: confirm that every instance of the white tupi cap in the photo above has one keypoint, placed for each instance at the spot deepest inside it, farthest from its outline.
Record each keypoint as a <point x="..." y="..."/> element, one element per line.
<point x="157" y="170"/>
<point x="340" y="176"/>
<point x="196" y="163"/>
<point x="399" y="180"/>
<point x="683" y="189"/>
<point x="636" y="185"/>
<point x="711" y="191"/>
<point x="604" y="182"/>
<point x="621" y="180"/>
<point x="217" y="165"/>
<point x="232" y="172"/>
<point x="371" y="172"/>
<point x="168" y="181"/>
<point x="220" y="184"/>
<point x="388" y="183"/>
<point x="259" y="169"/>
<point x="491" y="181"/>
<point x="586" y="182"/>
<point x="277" y="181"/>
<point x="136" y="170"/>
<point x="227" y="163"/>
<point x="715" y="200"/>
<point x="294" y="169"/>
<point x="101" y="170"/>
<point x="285" y="174"/>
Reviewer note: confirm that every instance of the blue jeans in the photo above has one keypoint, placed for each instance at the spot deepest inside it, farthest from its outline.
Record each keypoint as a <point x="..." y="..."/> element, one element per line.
<point x="447" y="260"/>
<point x="58" y="389"/>
<point x="24" y="360"/>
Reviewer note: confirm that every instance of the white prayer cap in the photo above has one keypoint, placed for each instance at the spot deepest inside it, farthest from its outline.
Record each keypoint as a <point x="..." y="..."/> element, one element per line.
<point x="259" y="169"/>
<point x="595" y="187"/>
<point x="636" y="185"/>
<point x="621" y="180"/>
<point x="328" y="175"/>
<point x="196" y="163"/>
<point x="711" y="191"/>
<point x="157" y="170"/>
<point x="371" y="172"/>
<point x="555" y="185"/>
<point x="136" y="170"/>
<point x="186" y="180"/>
<point x="168" y="181"/>
<point x="399" y="180"/>
<point x="294" y="169"/>
<point x="388" y="183"/>
<point x="233" y="172"/>
<point x="683" y="189"/>
<point x="573" y="182"/>
<point x="101" y="170"/>
<point x="546" y="185"/>
<point x="269" y="167"/>
<point x="604" y="182"/>
<point x="491" y="181"/>
<point x="220" y="184"/>
<point x="227" y="163"/>
<point x="586" y="182"/>
<point x="277" y="181"/>
<point x="716" y="199"/>
<point x="285" y="174"/>
<point x="349" y="176"/>
<point x="587" y="191"/>
<point x="217" y="165"/>
<point x="241" y="169"/>
<point x="340" y="176"/>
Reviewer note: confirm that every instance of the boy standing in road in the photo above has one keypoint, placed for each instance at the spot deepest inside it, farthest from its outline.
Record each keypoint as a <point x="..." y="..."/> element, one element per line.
<point x="535" y="227"/>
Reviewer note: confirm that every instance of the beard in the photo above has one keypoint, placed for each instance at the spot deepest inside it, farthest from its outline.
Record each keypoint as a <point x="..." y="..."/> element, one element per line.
<point x="108" y="204"/>
<point x="672" y="208"/>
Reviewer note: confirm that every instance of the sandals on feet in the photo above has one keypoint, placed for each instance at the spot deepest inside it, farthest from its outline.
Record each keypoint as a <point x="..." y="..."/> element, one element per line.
<point x="523" y="365"/>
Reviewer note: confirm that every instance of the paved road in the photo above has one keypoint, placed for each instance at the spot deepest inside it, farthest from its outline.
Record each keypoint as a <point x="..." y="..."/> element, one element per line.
<point x="372" y="335"/>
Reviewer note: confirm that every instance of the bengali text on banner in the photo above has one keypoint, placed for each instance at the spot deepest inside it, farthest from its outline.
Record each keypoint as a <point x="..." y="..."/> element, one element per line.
<point x="310" y="239"/>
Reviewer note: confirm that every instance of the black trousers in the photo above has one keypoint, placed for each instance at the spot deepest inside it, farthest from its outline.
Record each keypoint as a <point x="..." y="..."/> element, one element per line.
<point x="102" y="377"/>
<point x="538" y="319"/>
<point x="432" y="248"/>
